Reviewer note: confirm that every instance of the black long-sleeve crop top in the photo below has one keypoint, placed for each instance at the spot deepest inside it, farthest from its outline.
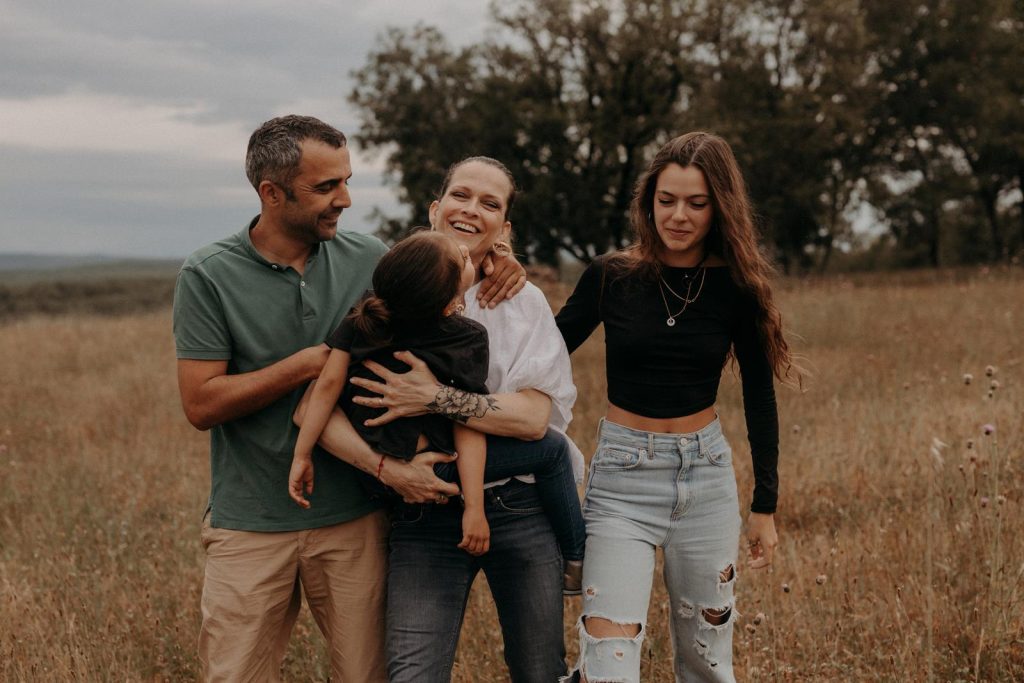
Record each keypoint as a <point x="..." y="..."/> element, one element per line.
<point x="663" y="371"/>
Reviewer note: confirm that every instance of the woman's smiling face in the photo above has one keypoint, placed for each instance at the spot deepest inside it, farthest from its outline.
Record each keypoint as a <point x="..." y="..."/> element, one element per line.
<point x="474" y="207"/>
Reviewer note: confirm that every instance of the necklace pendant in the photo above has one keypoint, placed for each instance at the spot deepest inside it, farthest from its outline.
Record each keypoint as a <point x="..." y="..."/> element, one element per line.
<point x="670" y="322"/>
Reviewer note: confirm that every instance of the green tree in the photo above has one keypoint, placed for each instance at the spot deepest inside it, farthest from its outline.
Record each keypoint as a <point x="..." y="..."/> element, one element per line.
<point x="915" y="107"/>
<point x="573" y="97"/>
<point x="949" y="113"/>
<point x="785" y="82"/>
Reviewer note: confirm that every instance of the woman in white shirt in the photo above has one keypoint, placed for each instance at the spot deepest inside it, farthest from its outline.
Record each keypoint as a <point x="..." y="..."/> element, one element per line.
<point x="529" y="407"/>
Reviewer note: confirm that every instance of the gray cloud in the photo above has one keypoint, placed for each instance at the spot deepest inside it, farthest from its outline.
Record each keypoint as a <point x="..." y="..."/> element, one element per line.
<point x="239" y="58"/>
<point x="215" y="66"/>
<point x="136" y="204"/>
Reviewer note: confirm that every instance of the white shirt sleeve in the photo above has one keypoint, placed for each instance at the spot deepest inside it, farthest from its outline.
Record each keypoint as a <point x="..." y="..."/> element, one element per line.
<point x="527" y="352"/>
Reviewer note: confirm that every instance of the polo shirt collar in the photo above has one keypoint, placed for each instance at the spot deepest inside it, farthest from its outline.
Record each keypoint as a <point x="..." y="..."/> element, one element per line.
<point x="246" y="240"/>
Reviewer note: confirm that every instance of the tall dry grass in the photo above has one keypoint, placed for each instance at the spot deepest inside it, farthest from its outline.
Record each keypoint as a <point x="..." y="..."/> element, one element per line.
<point x="900" y="560"/>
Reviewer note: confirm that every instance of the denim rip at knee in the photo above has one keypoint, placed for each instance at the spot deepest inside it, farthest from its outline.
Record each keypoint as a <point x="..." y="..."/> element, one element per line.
<point x="677" y="492"/>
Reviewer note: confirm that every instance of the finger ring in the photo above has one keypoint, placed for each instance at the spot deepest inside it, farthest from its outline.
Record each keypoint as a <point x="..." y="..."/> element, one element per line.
<point x="441" y="498"/>
<point x="380" y="402"/>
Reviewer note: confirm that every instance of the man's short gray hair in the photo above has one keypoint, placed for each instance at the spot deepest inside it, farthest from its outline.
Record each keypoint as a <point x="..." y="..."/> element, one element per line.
<point x="274" y="153"/>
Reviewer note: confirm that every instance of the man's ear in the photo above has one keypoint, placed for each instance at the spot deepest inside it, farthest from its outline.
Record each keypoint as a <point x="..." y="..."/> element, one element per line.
<point x="270" y="194"/>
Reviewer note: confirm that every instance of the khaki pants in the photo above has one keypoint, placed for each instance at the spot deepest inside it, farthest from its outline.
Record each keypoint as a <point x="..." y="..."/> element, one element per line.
<point x="251" y="598"/>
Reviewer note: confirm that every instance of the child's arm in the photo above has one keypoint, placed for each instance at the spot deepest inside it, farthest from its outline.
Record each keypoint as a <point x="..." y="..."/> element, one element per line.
<point x="471" y="446"/>
<point x="321" y="402"/>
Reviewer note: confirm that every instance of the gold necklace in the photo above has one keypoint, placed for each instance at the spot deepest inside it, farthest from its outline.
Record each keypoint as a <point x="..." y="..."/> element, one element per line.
<point x="689" y="286"/>
<point x="671" y="320"/>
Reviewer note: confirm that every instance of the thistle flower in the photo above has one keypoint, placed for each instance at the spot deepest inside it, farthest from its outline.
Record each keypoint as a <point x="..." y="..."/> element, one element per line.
<point x="989" y="370"/>
<point x="988" y="428"/>
<point x="968" y="378"/>
<point x="970" y="444"/>
<point x="758" y="618"/>
<point x="785" y="588"/>
<point x="984" y="501"/>
<point x="1000" y="499"/>
<point x="993" y="385"/>
<point x="820" y="579"/>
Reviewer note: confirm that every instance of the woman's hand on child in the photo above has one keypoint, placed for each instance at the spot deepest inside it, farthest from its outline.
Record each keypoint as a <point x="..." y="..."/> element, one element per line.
<point x="401" y="395"/>
<point x="504" y="277"/>
<point x="300" y="480"/>
<point x="476" y="534"/>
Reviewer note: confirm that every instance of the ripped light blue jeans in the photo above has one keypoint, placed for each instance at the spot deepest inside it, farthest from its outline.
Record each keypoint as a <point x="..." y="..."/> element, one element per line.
<point x="677" y="492"/>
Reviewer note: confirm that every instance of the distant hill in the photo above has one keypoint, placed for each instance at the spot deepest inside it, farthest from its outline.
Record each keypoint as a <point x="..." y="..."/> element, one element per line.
<point x="37" y="284"/>
<point x="28" y="268"/>
<point x="48" y="261"/>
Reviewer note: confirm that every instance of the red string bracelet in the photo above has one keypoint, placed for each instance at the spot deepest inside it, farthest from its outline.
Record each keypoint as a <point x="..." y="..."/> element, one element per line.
<point x="380" y="466"/>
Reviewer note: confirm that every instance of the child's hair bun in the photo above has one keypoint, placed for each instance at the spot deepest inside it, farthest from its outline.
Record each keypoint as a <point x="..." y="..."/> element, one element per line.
<point x="371" y="317"/>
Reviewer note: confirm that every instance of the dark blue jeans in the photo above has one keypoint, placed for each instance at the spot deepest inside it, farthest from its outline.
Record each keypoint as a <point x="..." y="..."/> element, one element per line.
<point x="549" y="462"/>
<point x="429" y="579"/>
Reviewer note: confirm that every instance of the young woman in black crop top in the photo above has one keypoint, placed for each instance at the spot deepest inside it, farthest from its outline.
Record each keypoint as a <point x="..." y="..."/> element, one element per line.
<point x="691" y="290"/>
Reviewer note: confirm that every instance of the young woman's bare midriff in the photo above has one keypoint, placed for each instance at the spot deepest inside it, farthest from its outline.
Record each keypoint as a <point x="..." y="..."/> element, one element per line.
<point x="683" y="424"/>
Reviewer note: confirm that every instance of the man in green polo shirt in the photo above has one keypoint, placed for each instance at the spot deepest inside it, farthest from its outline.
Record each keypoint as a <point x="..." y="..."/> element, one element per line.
<point x="251" y="313"/>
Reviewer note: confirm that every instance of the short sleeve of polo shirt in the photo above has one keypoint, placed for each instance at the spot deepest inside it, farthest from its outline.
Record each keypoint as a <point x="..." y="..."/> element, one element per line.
<point x="200" y="328"/>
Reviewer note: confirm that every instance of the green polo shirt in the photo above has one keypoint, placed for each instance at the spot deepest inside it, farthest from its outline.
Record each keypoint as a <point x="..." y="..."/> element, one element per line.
<point x="232" y="304"/>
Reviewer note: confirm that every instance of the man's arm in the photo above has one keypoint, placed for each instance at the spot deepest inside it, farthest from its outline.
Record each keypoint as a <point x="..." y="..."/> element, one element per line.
<point x="414" y="479"/>
<point x="523" y="414"/>
<point x="211" y="397"/>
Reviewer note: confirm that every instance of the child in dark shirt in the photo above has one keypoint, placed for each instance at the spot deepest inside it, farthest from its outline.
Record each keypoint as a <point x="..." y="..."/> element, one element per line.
<point x="418" y="288"/>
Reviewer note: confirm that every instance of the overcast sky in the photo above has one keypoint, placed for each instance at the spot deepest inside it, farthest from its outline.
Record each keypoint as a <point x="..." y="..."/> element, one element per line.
<point x="123" y="123"/>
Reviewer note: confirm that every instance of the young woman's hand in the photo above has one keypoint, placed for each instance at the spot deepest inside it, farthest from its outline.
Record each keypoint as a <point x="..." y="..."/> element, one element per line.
<point x="504" y="276"/>
<point x="476" y="534"/>
<point x="403" y="395"/>
<point x="761" y="539"/>
<point x="300" y="480"/>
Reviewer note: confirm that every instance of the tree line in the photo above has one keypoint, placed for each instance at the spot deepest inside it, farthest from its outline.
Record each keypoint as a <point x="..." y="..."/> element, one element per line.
<point x="842" y="113"/>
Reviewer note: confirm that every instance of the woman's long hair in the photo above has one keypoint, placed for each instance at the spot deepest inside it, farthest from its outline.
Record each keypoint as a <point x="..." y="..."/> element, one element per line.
<point x="733" y="236"/>
<point x="412" y="285"/>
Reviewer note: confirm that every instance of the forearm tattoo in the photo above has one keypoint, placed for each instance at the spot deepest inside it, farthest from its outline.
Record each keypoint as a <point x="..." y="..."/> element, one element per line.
<point x="461" y="405"/>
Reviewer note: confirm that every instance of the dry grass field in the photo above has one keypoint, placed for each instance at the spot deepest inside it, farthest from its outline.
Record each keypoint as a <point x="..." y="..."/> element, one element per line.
<point x="900" y="559"/>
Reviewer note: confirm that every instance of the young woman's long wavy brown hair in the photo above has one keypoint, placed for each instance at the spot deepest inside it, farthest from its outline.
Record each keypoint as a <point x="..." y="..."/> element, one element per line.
<point x="732" y="236"/>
